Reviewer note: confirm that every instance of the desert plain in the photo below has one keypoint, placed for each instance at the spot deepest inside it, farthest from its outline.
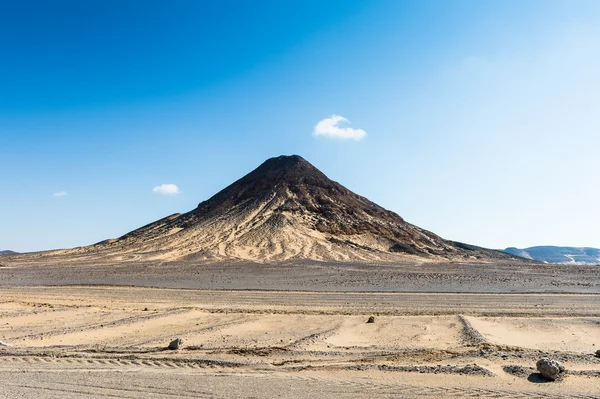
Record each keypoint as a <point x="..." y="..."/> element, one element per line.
<point x="297" y="330"/>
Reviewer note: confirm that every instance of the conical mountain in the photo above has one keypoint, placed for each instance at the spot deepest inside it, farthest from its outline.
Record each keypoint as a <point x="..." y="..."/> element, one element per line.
<point x="285" y="209"/>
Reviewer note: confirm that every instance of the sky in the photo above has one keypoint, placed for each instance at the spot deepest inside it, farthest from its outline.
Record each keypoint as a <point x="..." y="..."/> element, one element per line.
<point x="477" y="120"/>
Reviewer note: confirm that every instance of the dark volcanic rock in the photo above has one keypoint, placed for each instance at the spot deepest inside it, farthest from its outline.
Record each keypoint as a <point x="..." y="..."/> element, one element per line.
<point x="176" y="344"/>
<point x="550" y="369"/>
<point x="287" y="209"/>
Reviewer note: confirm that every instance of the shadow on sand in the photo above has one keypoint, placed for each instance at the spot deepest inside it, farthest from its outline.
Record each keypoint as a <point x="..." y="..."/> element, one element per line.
<point x="537" y="378"/>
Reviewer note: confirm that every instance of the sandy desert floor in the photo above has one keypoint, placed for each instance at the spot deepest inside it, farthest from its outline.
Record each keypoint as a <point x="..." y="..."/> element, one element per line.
<point x="85" y="341"/>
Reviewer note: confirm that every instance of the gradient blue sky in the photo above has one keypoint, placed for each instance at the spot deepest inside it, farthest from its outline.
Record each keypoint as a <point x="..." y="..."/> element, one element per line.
<point x="482" y="118"/>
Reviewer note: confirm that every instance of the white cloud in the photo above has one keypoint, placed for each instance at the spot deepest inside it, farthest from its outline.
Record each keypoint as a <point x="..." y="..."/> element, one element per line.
<point x="166" y="189"/>
<point x="329" y="127"/>
<point x="61" y="194"/>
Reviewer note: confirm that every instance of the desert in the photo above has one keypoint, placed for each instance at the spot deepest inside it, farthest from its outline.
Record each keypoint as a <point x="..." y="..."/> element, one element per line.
<point x="287" y="284"/>
<point x="111" y="341"/>
<point x="299" y="199"/>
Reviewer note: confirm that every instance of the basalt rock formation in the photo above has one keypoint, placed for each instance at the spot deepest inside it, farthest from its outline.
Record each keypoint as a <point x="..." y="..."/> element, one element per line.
<point x="286" y="209"/>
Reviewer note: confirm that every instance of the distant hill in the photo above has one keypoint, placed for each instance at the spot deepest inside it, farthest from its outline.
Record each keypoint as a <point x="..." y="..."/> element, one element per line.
<point x="8" y="252"/>
<point x="550" y="254"/>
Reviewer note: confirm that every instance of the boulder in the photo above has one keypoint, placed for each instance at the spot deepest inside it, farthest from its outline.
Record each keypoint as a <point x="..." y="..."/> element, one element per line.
<point x="176" y="344"/>
<point x="551" y="369"/>
<point x="371" y="319"/>
<point x="598" y="353"/>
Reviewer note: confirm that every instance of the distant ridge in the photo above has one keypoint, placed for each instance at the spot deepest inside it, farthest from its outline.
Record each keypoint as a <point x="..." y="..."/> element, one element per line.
<point x="286" y="209"/>
<point x="552" y="254"/>
<point x="6" y="252"/>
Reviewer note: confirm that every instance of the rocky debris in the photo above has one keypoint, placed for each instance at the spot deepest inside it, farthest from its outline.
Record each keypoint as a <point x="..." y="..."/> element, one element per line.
<point x="469" y="369"/>
<point x="509" y="353"/>
<point x="265" y="351"/>
<point x="470" y="334"/>
<point x="525" y="372"/>
<point x="311" y="339"/>
<point x="371" y="319"/>
<point x="518" y="371"/>
<point x="551" y="369"/>
<point x="586" y="373"/>
<point x="176" y="344"/>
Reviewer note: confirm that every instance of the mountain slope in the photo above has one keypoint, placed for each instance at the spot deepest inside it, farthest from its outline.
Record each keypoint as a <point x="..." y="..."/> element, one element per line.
<point x="551" y="254"/>
<point x="6" y="252"/>
<point x="285" y="209"/>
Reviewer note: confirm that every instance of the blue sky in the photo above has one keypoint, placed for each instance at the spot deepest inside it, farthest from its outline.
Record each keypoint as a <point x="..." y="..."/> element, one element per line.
<point x="480" y="119"/>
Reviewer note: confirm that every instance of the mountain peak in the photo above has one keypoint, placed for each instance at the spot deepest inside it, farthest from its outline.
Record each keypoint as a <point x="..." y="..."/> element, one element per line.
<point x="285" y="161"/>
<point x="290" y="168"/>
<point x="291" y="172"/>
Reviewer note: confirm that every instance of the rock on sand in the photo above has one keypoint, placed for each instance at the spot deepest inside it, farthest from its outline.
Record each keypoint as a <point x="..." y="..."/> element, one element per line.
<point x="176" y="344"/>
<point x="551" y="369"/>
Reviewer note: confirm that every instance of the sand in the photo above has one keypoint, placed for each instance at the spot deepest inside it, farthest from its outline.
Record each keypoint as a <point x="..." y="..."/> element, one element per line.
<point x="84" y="341"/>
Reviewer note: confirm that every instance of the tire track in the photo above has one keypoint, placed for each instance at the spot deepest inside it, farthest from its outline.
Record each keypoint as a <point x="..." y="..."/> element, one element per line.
<point x="355" y="385"/>
<point x="459" y="392"/>
<point x="96" y="326"/>
<point x="155" y="390"/>
<point x="215" y="327"/>
<point x="111" y="392"/>
<point x="385" y="303"/>
<point x="155" y="363"/>
<point x="313" y="338"/>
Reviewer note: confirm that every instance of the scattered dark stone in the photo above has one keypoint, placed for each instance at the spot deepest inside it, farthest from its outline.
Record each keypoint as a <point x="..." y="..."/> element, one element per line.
<point x="469" y="369"/>
<point x="550" y="369"/>
<point x="598" y="353"/>
<point x="518" y="371"/>
<point x="408" y="249"/>
<point x="176" y="344"/>
<point x="145" y="309"/>
<point x="371" y="319"/>
<point x="471" y="335"/>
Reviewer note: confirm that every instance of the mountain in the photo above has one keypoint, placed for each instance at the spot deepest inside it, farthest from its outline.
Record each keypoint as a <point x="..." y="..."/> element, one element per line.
<point x="550" y="254"/>
<point x="6" y="252"/>
<point x="286" y="209"/>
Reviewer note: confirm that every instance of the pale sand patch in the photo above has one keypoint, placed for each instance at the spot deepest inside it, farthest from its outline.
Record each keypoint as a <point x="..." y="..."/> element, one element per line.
<point x="398" y="332"/>
<point x="127" y="331"/>
<point x="46" y="320"/>
<point x="261" y="330"/>
<point x="199" y="328"/>
<point x="322" y="332"/>
<point x="12" y="307"/>
<point x="553" y="334"/>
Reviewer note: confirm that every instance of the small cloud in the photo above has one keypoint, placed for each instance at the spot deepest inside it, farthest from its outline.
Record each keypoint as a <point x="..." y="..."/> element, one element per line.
<point x="166" y="189"/>
<point x="329" y="127"/>
<point x="61" y="194"/>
